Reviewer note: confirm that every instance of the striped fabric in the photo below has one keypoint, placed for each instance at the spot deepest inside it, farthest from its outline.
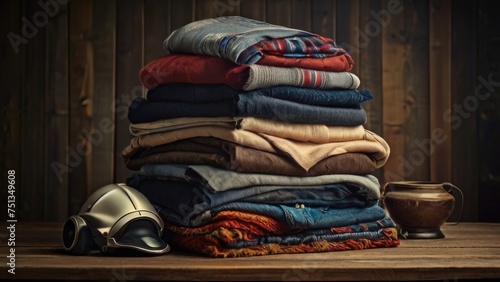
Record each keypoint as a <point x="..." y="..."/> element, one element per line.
<point x="267" y="76"/>
<point x="233" y="233"/>
<point x="311" y="46"/>
<point x="246" y="41"/>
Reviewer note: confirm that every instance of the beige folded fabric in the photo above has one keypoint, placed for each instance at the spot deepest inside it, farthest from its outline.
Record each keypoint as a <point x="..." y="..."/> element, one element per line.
<point x="316" y="133"/>
<point x="138" y="129"/>
<point x="306" y="154"/>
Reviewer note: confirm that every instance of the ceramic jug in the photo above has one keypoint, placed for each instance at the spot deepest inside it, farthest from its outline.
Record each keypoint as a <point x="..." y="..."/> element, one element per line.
<point x="419" y="208"/>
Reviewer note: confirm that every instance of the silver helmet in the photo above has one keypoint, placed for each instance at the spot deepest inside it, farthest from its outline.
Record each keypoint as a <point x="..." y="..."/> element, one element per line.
<point x="115" y="217"/>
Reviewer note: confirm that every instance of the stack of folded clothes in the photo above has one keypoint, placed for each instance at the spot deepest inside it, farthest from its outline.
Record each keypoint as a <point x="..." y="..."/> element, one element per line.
<point x="250" y="141"/>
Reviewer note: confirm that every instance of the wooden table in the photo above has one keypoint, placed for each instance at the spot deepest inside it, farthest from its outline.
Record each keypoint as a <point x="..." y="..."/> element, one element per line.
<point x="469" y="251"/>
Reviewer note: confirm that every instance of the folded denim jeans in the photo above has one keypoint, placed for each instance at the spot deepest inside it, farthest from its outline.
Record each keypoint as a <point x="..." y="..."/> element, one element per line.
<point x="297" y="217"/>
<point x="184" y="201"/>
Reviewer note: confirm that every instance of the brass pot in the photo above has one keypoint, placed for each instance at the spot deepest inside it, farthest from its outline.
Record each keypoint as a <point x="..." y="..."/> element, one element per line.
<point x="419" y="208"/>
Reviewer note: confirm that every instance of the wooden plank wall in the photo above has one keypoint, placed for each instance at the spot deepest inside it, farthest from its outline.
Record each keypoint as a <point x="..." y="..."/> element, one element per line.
<point x="489" y="114"/>
<point x="74" y="71"/>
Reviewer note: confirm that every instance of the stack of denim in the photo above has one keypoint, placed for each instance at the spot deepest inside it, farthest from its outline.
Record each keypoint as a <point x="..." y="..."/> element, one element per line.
<point x="250" y="141"/>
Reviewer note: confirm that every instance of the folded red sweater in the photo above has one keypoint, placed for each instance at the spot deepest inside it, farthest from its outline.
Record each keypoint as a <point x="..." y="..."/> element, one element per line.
<point x="204" y="69"/>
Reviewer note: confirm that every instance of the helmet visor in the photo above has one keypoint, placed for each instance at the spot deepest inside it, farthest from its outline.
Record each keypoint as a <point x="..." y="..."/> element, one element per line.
<point x="141" y="235"/>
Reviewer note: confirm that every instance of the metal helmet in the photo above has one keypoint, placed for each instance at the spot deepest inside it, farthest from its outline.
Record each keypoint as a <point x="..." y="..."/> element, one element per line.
<point x="115" y="217"/>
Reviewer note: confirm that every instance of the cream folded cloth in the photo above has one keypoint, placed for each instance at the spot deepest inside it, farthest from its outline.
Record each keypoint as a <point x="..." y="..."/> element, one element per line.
<point x="308" y="148"/>
<point x="316" y="133"/>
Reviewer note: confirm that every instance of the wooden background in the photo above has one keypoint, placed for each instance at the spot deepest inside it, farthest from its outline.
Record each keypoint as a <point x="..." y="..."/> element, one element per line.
<point x="70" y="69"/>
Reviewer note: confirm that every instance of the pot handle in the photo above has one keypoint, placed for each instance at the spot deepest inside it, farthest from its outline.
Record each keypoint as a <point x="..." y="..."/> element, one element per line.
<point x="450" y="190"/>
<point x="387" y="188"/>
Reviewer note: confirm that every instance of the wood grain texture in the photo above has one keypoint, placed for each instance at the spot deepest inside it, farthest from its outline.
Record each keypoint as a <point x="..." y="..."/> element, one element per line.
<point x="56" y="188"/>
<point x="80" y="102"/>
<point x="209" y="9"/>
<point x="370" y="68"/>
<point x="32" y="126"/>
<point x="323" y="18"/>
<point x="300" y="17"/>
<point x="157" y="27"/>
<point x="416" y="89"/>
<point x="103" y="119"/>
<point x="440" y="87"/>
<point x="129" y="60"/>
<point x="182" y="13"/>
<point x="255" y="9"/>
<point x="10" y="109"/>
<point x="348" y="29"/>
<point x="394" y="114"/>
<point x="278" y="12"/>
<point x="463" y="114"/>
<point x="488" y="114"/>
<point x="469" y="251"/>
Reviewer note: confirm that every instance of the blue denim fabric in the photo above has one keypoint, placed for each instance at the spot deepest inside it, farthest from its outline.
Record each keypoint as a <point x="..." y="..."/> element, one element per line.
<point x="293" y="112"/>
<point x="308" y="217"/>
<point x="369" y="230"/>
<point x="332" y="195"/>
<point x="185" y="201"/>
<point x="218" y="179"/>
<point x="299" y="218"/>
<point x="198" y="197"/>
<point x="294" y="239"/>
<point x="141" y="110"/>
<point x="193" y="93"/>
